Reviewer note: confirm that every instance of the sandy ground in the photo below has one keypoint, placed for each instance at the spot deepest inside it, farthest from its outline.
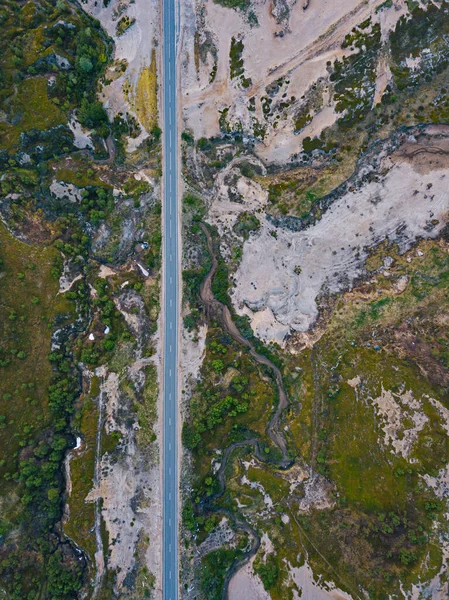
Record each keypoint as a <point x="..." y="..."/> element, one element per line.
<point x="234" y="194"/>
<point x="135" y="46"/>
<point x="82" y="137"/>
<point x="279" y="293"/>
<point x="283" y="272"/>
<point x="192" y="352"/>
<point x="297" y="49"/>
<point x="65" y="191"/>
<point x="246" y="585"/>
<point x="394" y="410"/>
<point x="70" y="274"/>
<point x="311" y="589"/>
<point x="130" y="486"/>
<point x="440" y="483"/>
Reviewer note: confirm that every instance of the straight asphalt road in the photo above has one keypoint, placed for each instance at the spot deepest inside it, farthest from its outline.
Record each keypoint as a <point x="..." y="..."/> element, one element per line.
<point x="171" y="304"/>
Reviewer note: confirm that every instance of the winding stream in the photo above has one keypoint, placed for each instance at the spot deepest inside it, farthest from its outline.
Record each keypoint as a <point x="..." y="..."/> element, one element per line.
<point x="222" y="313"/>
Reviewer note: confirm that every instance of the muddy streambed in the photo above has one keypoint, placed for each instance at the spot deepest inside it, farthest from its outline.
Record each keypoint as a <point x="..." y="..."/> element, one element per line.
<point x="220" y="311"/>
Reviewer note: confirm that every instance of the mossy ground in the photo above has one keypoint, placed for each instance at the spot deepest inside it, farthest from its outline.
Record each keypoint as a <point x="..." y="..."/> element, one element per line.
<point x="382" y="525"/>
<point x="81" y="173"/>
<point x="381" y="529"/>
<point x="81" y="514"/>
<point x="145" y="95"/>
<point x="32" y="103"/>
<point x="42" y="405"/>
<point x="229" y="372"/>
<point x="29" y="303"/>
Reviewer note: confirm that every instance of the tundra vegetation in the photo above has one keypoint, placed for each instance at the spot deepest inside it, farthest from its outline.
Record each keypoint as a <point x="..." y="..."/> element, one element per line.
<point x="363" y="502"/>
<point x="66" y="212"/>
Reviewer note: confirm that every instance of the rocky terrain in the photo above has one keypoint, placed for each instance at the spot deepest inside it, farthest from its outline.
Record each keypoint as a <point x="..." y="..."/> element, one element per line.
<point x="398" y="195"/>
<point x="315" y="352"/>
<point x="315" y="153"/>
<point x="80" y="256"/>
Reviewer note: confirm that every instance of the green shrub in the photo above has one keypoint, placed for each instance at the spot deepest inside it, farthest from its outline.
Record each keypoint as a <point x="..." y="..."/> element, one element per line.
<point x="268" y="572"/>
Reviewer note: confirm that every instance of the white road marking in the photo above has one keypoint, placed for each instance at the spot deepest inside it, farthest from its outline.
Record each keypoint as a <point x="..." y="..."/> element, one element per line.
<point x="170" y="27"/>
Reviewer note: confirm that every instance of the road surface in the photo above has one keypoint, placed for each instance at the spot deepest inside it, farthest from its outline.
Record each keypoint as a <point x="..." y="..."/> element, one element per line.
<point x="170" y="305"/>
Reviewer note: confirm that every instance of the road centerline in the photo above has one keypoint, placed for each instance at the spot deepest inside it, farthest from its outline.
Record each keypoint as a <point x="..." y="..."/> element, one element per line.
<point x="170" y="304"/>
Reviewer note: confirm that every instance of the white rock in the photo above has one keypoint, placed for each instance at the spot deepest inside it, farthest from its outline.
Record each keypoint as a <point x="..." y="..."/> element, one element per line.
<point x="144" y="271"/>
<point x="82" y="138"/>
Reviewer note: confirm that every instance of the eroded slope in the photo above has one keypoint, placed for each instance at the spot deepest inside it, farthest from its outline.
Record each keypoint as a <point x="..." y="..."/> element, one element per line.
<point x="79" y="285"/>
<point x="328" y="208"/>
